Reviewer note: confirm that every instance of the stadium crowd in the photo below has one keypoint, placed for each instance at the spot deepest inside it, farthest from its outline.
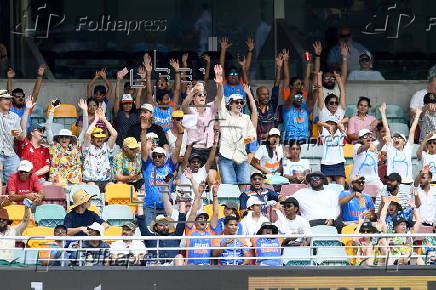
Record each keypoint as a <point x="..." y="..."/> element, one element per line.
<point x="179" y="142"/>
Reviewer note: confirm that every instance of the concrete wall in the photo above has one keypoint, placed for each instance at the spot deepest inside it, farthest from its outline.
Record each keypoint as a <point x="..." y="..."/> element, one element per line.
<point x="391" y="92"/>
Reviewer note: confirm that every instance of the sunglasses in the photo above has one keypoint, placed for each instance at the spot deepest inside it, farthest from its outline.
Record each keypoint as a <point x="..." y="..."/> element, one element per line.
<point x="329" y="78"/>
<point x="365" y="231"/>
<point x="368" y="136"/>
<point x="345" y="35"/>
<point x="60" y="232"/>
<point x="299" y="97"/>
<point x="132" y="149"/>
<point x="201" y="95"/>
<point x="333" y="103"/>
<point x="361" y="182"/>
<point x="364" y="59"/>
<point x="233" y="74"/>
<point x="288" y="205"/>
<point x="155" y="141"/>
<point x="40" y="130"/>
<point x="431" y="142"/>
<point x="315" y="178"/>
<point x="239" y="102"/>
<point x="155" y="156"/>
<point x="19" y="96"/>
<point x="398" y="137"/>
<point x="177" y="119"/>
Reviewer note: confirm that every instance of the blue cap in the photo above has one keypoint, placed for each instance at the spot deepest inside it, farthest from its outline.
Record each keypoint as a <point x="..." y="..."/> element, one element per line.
<point x="35" y="127"/>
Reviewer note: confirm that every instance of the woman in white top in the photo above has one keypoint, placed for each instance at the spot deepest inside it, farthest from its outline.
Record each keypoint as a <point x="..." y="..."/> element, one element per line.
<point x="427" y="153"/>
<point x="365" y="158"/>
<point x="267" y="158"/>
<point x="332" y="162"/>
<point x="254" y="219"/>
<point x="399" y="149"/>
<point x="177" y="117"/>
<point x="237" y="131"/>
<point x="331" y="105"/>
<point x="294" y="168"/>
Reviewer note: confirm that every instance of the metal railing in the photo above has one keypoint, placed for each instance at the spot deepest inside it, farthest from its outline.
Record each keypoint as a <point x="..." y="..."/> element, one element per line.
<point x="325" y="249"/>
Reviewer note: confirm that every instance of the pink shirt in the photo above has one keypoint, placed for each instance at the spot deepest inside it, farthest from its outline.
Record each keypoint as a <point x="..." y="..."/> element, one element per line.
<point x="203" y="135"/>
<point x="355" y="124"/>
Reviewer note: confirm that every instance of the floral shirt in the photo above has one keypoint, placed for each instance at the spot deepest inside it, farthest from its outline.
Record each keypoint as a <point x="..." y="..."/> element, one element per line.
<point x="65" y="165"/>
<point x="401" y="246"/>
<point x="96" y="164"/>
<point x="126" y="166"/>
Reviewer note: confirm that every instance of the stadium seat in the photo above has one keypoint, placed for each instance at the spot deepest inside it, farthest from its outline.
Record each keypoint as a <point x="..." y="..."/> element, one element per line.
<point x="37" y="115"/>
<point x="296" y="256"/>
<point x="113" y="231"/>
<point x="49" y="215"/>
<point x="324" y="241"/>
<point x="16" y="213"/>
<point x="312" y="151"/>
<point x="348" y="150"/>
<point x="98" y="200"/>
<point x="400" y="128"/>
<point x="348" y="170"/>
<point x="95" y="209"/>
<point x="290" y="189"/>
<point x="228" y="192"/>
<point x="347" y="230"/>
<point x="394" y="113"/>
<point x="332" y="256"/>
<point x="351" y="110"/>
<point x="26" y="256"/>
<point x="117" y="214"/>
<point x="39" y="231"/>
<point x="209" y="210"/>
<point x="65" y="114"/>
<point x="54" y="194"/>
<point x="120" y="194"/>
<point x="74" y="129"/>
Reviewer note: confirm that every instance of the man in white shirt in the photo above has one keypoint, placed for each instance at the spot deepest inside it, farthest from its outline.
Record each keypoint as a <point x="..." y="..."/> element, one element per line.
<point x="393" y="187"/>
<point x="126" y="249"/>
<point x="252" y="222"/>
<point x="425" y="196"/>
<point x="319" y="205"/>
<point x="417" y="100"/>
<point x="290" y="223"/>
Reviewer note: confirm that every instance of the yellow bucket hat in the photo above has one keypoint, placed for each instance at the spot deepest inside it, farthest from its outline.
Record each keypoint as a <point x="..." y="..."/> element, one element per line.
<point x="80" y="197"/>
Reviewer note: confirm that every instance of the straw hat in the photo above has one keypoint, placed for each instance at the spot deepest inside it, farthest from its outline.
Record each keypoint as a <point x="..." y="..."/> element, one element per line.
<point x="80" y="197"/>
<point x="159" y="219"/>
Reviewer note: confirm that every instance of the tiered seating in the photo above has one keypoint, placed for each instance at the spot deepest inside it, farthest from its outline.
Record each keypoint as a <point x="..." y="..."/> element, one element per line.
<point x="120" y="194"/>
<point x="65" y="114"/>
<point x="38" y="232"/>
<point x="300" y="256"/>
<point x="228" y="192"/>
<point x="98" y="200"/>
<point x="117" y="214"/>
<point x="54" y="194"/>
<point x="49" y="215"/>
<point x="16" y="213"/>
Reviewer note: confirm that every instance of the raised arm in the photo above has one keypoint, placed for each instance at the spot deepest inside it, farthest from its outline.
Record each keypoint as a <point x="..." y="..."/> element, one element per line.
<point x="85" y="120"/>
<point x="178" y="144"/>
<point x="11" y="75"/>
<point x="38" y="82"/>
<point x="319" y="93"/>
<point x="279" y="65"/>
<point x="91" y="83"/>
<point x="215" y="207"/>
<point x="344" y="65"/>
<point x="286" y="69"/>
<point x="113" y="133"/>
<point x="23" y="225"/>
<point x="388" y="137"/>
<point x="206" y="59"/>
<point x="250" y="48"/>
<point x="87" y="139"/>
<point x="423" y="145"/>
<point x="168" y="207"/>
<point x="317" y="49"/>
<point x="418" y="112"/>
<point x="174" y="63"/>
<point x="197" y="195"/>
<point x="49" y="123"/>
<point x="120" y="76"/>
<point x="343" y="95"/>
<point x="148" y="85"/>
<point x="219" y="85"/>
<point x="243" y="63"/>
<point x="306" y="80"/>
<point x="29" y="107"/>
<point x="252" y="103"/>
<point x="145" y="150"/>
<point x="224" y="44"/>
<point x="107" y="83"/>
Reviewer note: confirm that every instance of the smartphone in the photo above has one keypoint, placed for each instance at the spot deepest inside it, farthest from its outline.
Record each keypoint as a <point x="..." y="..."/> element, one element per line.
<point x="56" y="102"/>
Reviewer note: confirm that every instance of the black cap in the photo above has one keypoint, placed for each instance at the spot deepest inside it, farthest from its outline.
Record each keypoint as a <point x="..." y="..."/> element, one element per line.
<point x="394" y="177"/>
<point x="368" y="226"/>
<point x="429" y="98"/>
<point x="399" y="219"/>
<point x="316" y="173"/>
<point x="196" y="155"/>
<point x="268" y="225"/>
<point x="203" y="214"/>
<point x="292" y="200"/>
<point x="257" y="174"/>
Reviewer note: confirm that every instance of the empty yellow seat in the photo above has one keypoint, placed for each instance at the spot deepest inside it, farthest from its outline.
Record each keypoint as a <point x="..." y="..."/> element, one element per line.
<point x="38" y="232"/>
<point x="65" y="111"/>
<point x="16" y="214"/>
<point x="113" y="231"/>
<point x="348" y="150"/>
<point x="348" y="170"/>
<point x="209" y="210"/>
<point x="74" y="129"/>
<point x="120" y="194"/>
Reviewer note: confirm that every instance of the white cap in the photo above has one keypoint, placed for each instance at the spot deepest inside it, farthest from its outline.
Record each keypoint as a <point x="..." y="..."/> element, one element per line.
<point x="65" y="132"/>
<point x="333" y="119"/>
<point x="253" y="200"/>
<point x="159" y="150"/>
<point x="234" y="97"/>
<point x="433" y="137"/>
<point x="151" y="135"/>
<point x="148" y="107"/>
<point x="4" y="94"/>
<point x="363" y="132"/>
<point x="25" y="166"/>
<point x="126" y="98"/>
<point x="274" y="131"/>
<point x="97" y="227"/>
<point x="400" y="134"/>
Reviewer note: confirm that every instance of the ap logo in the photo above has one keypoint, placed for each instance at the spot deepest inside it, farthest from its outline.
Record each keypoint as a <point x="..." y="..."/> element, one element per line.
<point x="40" y="27"/>
<point x="389" y="21"/>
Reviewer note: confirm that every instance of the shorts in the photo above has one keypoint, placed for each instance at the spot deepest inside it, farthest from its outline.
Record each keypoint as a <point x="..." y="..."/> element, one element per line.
<point x="333" y="170"/>
<point x="137" y="184"/>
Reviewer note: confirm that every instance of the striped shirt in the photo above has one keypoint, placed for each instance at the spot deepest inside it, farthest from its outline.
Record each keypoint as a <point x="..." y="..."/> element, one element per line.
<point x="403" y="195"/>
<point x="8" y="122"/>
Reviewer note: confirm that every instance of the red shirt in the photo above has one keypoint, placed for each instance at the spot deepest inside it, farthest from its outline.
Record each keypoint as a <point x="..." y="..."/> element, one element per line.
<point x="27" y="186"/>
<point x="38" y="156"/>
